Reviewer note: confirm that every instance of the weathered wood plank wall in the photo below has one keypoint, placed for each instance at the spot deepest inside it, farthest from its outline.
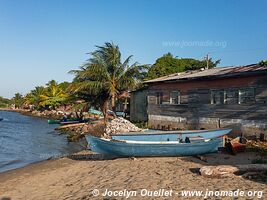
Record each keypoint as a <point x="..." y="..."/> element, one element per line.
<point x="197" y="111"/>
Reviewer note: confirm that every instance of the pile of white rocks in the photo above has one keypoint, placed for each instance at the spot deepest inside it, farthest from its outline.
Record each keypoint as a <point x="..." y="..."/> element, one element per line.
<point x="121" y="125"/>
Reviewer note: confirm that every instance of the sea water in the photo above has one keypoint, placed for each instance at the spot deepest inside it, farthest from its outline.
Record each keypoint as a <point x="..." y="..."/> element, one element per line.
<point x="25" y="140"/>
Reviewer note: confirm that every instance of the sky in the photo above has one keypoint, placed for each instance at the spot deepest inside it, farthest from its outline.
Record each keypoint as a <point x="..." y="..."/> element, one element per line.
<point x="41" y="40"/>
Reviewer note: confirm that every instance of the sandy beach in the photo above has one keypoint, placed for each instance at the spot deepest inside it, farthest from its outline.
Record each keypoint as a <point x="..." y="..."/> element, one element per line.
<point x="69" y="178"/>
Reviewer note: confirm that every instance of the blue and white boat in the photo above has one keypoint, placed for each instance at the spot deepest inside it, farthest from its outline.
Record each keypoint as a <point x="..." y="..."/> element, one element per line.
<point x="170" y="135"/>
<point x="129" y="148"/>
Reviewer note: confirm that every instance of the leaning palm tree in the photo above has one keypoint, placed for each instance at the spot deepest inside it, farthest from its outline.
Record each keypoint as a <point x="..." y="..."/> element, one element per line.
<point x="104" y="77"/>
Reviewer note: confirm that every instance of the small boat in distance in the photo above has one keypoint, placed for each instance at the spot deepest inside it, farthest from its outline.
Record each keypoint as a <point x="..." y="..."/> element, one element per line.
<point x="1" y="119"/>
<point x="170" y="135"/>
<point x="52" y="121"/>
<point x="68" y="121"/>
<point x="129" y="148"/>
<point x="74" y="122"/>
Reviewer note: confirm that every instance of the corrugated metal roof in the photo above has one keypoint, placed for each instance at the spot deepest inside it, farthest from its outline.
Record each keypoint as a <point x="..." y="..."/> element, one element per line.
<point x="209" y="73"/>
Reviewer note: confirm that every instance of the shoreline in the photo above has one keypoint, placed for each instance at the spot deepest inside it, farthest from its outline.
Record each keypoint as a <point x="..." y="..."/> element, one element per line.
<point x="71" y="178"/>
<point x="30" y="113"/>
<point x="38" y="114"/>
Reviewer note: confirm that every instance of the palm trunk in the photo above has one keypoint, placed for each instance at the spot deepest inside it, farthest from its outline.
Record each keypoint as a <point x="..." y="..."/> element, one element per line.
<point x="113" y="100"/>
<point x="125" y="104"/>
<point x="105" y="111"/>
<point x="77" y="115"/>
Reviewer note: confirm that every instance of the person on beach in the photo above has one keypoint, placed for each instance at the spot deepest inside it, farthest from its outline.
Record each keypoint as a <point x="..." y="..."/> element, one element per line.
<point x="65" y="117"/>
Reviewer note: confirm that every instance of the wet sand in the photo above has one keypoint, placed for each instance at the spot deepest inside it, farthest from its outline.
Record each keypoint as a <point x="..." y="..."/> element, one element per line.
<point x="67" y="178"/>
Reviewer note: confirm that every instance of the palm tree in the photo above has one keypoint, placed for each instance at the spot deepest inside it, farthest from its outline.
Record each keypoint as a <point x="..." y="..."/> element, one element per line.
<point x="104" y="76"/>
<point x="18" y="100"/>
<point x="33" y="98"/>
<point x="53" y="95"/>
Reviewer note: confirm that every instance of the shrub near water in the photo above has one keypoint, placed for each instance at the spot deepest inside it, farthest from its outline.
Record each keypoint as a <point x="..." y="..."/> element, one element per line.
<point x="4" y="103"/>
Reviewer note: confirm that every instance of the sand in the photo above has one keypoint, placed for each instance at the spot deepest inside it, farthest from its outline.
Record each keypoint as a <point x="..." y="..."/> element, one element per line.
<point x="67" y="178"/>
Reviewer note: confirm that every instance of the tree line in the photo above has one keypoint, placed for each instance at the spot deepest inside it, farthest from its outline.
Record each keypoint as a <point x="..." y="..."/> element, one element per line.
<point x="101" y="80"/>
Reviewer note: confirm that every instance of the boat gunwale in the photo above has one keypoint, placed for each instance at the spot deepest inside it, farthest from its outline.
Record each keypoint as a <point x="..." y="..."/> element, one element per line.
<point x="123" y="142"/>
<point x="169" y="132"/>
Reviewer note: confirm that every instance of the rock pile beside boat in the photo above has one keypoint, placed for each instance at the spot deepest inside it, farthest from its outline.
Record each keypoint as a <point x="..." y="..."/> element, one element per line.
<point x="121" y="125"/>
<point x="97" y="128"/>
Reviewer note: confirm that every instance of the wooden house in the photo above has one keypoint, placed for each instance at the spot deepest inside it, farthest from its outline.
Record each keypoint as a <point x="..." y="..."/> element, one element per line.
<point x="220" y="97"/>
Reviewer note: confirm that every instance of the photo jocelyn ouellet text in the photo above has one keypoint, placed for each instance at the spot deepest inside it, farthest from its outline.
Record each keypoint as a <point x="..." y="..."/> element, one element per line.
<point x="171" y="193"/>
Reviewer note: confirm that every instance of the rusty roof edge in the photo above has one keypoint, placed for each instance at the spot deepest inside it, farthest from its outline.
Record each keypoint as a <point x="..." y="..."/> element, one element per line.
<point x="230" y="74"/>
<point x="212" y="77"/>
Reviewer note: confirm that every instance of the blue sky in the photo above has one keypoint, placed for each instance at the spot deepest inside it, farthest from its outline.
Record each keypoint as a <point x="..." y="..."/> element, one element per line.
<point x="42" y="40"/>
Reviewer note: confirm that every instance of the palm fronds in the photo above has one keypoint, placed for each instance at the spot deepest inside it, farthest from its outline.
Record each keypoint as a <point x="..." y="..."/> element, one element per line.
<point x="105" y="76"/>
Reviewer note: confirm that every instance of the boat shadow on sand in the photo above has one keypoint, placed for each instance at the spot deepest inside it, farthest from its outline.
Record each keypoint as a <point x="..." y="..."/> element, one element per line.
<point x="91" y="156"/>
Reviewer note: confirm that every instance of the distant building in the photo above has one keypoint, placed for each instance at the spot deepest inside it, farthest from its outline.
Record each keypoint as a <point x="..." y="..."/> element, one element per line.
<point x="221" y="97"/>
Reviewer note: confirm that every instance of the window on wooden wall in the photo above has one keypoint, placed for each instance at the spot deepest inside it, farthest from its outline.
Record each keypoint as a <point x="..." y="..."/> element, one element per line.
<point x="175" y="97"/>
<point x="231" y="96"/>
<point x="159" y="97"/>
<point x="217" y="97"/>
<point x="246" y="95"/>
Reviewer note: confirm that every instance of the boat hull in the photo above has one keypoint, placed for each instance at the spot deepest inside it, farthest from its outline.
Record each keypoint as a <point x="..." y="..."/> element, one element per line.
<point x="69" y="121"/>
<point x="1" y="119"/>
<point x="171" y="135"/>
<point x="124" y="149"/>
<point x="51" y="121"/>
